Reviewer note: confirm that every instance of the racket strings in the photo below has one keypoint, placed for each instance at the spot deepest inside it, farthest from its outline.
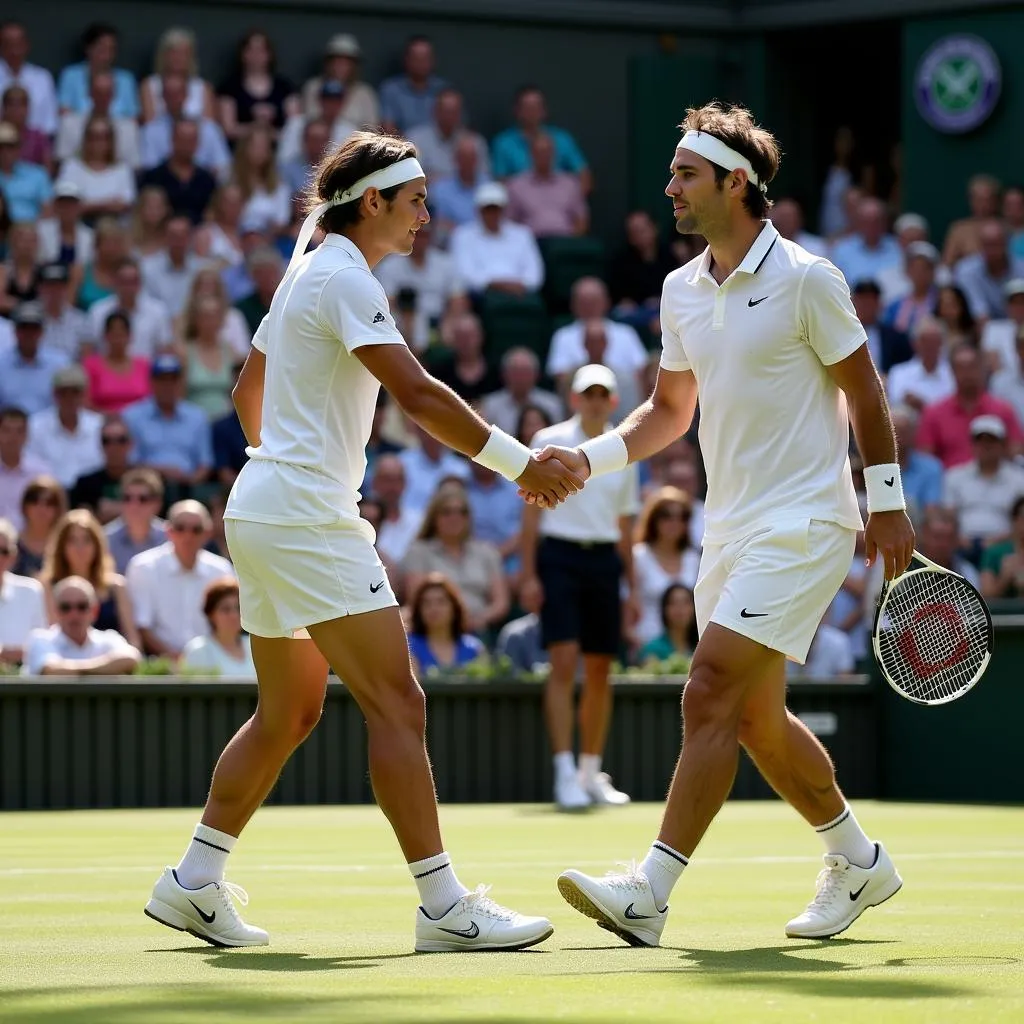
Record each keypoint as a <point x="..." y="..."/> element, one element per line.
<point x="933" y="635"/>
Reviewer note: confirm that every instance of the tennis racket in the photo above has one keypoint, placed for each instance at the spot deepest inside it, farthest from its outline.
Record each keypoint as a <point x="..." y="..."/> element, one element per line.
<point x="932" y="634"/>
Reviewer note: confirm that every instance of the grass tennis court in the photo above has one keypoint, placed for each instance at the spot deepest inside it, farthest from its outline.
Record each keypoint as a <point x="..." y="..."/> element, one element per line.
<point x="330" y="886"/>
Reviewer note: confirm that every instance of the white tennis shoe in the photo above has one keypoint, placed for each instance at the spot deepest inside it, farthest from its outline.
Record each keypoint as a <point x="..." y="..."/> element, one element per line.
<point x="845" y="891"/>
<point x="477" y="923"/>
<point x="208" y="913"/>
<point x="603" y="793"/>
<point x="621" y="903"/>
<point x="570" y="794"/>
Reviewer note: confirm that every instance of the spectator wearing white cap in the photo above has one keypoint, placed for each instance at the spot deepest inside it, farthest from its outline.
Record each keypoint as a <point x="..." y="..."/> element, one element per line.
<point x="435" y="141"/>
<point x="576" y="558"/>
<point x="788" y="218"/>
<point x="26" y="371"/>
<point x="894" y="282"/>
<point x="342" y="60"/>
<point x="407" y="100"/>
<point x="1008" y="384"/>
<point x="15" y="69"/>
<point x="493" y="253"/>
<point x="984" y="490"/>
<point x="67" y="435"/>
<point x="920" y="261"/>
<point x="999" y="336"/>
<point x="927" y="378"/>
<point x="63" y="237"/>
<point x="22" y="600"/>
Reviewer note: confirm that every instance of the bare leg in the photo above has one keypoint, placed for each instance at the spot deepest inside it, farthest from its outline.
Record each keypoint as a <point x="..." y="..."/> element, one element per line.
<point x="595" y="712"/>
<point x="370" y="654"/>
<point x="558" y="694"/>
<point x="724" y="666"/>
<point x="292" y="678"/>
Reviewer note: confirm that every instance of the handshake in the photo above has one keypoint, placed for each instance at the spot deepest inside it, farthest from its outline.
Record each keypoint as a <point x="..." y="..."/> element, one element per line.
<point x="552" y="474"/>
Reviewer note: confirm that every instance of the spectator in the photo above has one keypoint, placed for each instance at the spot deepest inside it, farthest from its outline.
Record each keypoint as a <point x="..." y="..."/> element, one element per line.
<point x="255" y="93"/>
<point x="468" y="374"/>
<point x="511" y="149"/>
<point x="42" y="504"/>
<point x="438" y="636"/>
<point x="520" y="642"/>
<point x="65" y="329"/>
<point x="66" y="435"/>
<point x="638" y="271"/>
<point x="945" y="426"/>
<point x="99" y="41"/>
<point x="171" y="435"/>
<point x="147" y="318"/>
<point x="95" y="280"/>
<point x="401" y="521"/>
<point x="939" y="541"/>
<point x="984" y="490"/>
<point x="234" y="331"/>
<point x="341" y="64"/>
<point x="887" y="346"/>
<point x="834" y="215"/>
<point x="22" y="601"/>
<point x="1013" y="217"/>
<point x="167" y="584"/>
<point x="423" y="289"/>
<point x="963" y="237"/>
<point x="106" y="187"/>
<point x="549" y="202"/>
<point x="903" y="314"/>
<point x="26" y="187"/>
<point x="116" y="378"/>
<point x="168" y="275"/>
<point x="453" y="198"/>
<point x="176" y="55"/>
<point x="36" y="147"/>
<point x="952" y="309"/>
<point x="662" y="556"/>
<point x="532" y="418"/>
<point x="188" y="186"/>
<point x="101" y="99"/>
<point x="909" y="229"/>
<point x="494" y="254"/>
<point x="209" y="362"/>
<point x="267" y="201"/>
<point x="1008" y="384"/>
<point x="788" y="219"/>
<point x="1002" y="564"/>
<point x="226" y="650"/>
<point x="266" y="268"/>
<point x="379" y="442"/>
<point x="406" y="100"/>
<point x="220" y="237"/>
<point x="212" y="153"/>
<point x="229" y="441"/>
<point x="137" y="528"/>
<point x="921" y="473"/>
<point x="445" y="545"/>
<point x="15" y="69"/>
<point x="830" y="655"/>
<point x="870" y="251"/>
<point x="19" y="276"/>
<point x="520" y="372"/>
<point x="927" y="378"/>
<point x="78" y="547"/>
<point x="17" y="467"/>
<point x="676" y="635"/>
<point x="426" y="465"/>
<point x="100" y="491"/>
<point x="985" y="274"/>
<point x="999" y="337"/>
<point x="297" y="171"/>
<point x="497" y="511"/>
<point x="435" y="141"/>
<point x="26" y="371"/>
<point x="73" y="646"/>
<point x="149" y="221"/>
<point x="64" y="238"/>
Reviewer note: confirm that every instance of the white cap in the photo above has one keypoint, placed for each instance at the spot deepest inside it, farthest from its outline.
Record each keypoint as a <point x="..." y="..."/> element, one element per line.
<point x="910" y="220"/>
<point x="344" y="44"/>
<point x="594" y="375"/>
<point x="988" y="424"/>
<point x="491" y="193"/>
<point x="1013" y="287"/>
<point x="925" y="249"/>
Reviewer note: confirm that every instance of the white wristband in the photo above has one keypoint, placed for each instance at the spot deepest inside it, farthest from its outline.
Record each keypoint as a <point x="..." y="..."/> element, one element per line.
<point x="884" y="487"/>
<point x="606" y="453"/>
<point x="503" y="454"/>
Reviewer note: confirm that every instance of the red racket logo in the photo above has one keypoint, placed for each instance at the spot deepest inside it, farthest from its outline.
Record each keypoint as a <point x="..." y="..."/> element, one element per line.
<point x="932" y="620"/>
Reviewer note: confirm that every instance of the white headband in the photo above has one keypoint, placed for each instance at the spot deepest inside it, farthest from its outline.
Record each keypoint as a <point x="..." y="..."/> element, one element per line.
<point x="394" y="174"/>
<point x="718" y="152"/>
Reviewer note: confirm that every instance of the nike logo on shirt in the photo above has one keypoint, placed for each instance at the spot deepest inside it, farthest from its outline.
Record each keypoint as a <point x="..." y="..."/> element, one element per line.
<point x="375" y="587"/>
<point x="755" y="302"/>
<point x="744" y="614"/>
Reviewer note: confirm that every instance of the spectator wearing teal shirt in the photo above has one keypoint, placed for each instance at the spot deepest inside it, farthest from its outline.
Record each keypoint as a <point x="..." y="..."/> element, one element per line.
<point x="679" y="638"/>
<point x="26" y="187"/>
<point x="100" y="44"/>
<point x="510" y="150"/>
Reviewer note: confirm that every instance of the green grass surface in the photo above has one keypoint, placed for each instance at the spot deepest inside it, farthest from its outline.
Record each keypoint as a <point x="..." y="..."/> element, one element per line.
<point x="330" y="886"/>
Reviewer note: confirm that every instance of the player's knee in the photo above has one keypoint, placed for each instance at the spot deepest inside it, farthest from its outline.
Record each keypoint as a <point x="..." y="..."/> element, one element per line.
<point x="404" y="707"/>
<point x="756" y="735"/>
<point x="708" y="700"/>
<point x="290" y="725"/>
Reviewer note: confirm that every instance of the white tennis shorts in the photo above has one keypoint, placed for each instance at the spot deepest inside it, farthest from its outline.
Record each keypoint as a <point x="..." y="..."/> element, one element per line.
<point x="775" y="585"/>
<point x="291" y="577"/>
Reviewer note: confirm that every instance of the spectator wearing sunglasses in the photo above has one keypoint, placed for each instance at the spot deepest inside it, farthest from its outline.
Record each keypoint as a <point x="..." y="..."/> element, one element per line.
<point x="73" y="646"/>
<point x="42" y="505"/>
<point x="137" y="526"/>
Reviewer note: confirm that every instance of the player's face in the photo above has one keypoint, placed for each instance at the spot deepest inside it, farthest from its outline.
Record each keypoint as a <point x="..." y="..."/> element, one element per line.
<point x="408" y="213"/>
<point x="697" y="202"/>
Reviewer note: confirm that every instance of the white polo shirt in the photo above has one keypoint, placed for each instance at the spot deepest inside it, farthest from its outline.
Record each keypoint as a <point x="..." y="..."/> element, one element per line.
<point x="593" y="513"/>
<point x="911" y="378"/>
<point x="53" y="644"/>
<point x="318" y="398"/>
<point x="72" y="454"/>
<point x="774" y="428"/>
<point x="22" y="609"/>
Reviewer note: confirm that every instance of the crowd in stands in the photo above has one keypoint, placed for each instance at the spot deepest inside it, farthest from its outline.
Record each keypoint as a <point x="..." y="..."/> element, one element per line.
<point x="145" y="223"/>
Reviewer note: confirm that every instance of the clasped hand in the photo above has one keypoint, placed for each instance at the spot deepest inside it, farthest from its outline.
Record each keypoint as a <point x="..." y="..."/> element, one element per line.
<point x="552" y="475"/>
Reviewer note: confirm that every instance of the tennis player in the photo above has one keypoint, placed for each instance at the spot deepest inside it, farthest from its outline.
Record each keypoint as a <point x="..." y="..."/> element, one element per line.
<point x="765" y="333"/>
<point x="313" y="590"/>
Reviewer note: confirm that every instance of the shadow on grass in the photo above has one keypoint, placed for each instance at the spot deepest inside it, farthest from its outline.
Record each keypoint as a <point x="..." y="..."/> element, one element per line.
<point x="297" y="963"/>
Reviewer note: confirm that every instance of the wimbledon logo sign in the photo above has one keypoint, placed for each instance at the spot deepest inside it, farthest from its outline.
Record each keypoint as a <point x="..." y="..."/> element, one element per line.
<point x="957" y="83"/>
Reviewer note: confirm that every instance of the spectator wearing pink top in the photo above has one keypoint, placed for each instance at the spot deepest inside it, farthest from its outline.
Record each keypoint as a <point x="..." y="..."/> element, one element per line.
<point x="549" y="202"/>
<point x="945" y="429"/>
<point x="116" y="378"/>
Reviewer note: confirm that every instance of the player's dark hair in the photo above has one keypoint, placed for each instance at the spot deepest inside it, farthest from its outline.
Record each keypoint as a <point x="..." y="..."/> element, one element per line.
<point x="361" y="154"/>
<point x="735" y="126"/>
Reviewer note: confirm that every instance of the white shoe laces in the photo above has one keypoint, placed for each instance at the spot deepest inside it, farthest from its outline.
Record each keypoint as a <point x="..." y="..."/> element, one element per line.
<point x="227" y="890"/>
<point x="829" y="885"/>
<point x="631" y="879"/>
<point x="478" y="902"/>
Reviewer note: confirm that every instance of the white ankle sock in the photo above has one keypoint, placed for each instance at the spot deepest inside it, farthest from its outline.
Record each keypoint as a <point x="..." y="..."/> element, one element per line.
<point x="844" y="835"/>
<point x="205" y="857"/>
<point x="565" y="764"/>
<point x="590" y="765"/>
<point x="663" y="866"/>
<point x="439" y="888"/>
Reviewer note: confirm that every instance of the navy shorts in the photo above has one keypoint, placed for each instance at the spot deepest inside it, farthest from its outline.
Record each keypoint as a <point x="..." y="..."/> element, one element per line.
<point x="582" y="601"/>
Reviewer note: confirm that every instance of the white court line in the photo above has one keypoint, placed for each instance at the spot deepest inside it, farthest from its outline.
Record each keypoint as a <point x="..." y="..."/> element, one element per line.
<point x="331" y="869"/>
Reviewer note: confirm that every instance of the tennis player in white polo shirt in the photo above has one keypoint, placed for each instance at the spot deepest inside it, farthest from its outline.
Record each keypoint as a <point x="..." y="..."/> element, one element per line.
<point x="313" y="590"/>
<point x="765" y="333"/>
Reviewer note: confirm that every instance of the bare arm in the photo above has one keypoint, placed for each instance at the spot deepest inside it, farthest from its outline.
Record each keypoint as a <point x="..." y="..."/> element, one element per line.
<point x="118" y="663"/>
<point x="153" y="645"/>
<point x="248" y="395"/>
<point x="125" y="615"/>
